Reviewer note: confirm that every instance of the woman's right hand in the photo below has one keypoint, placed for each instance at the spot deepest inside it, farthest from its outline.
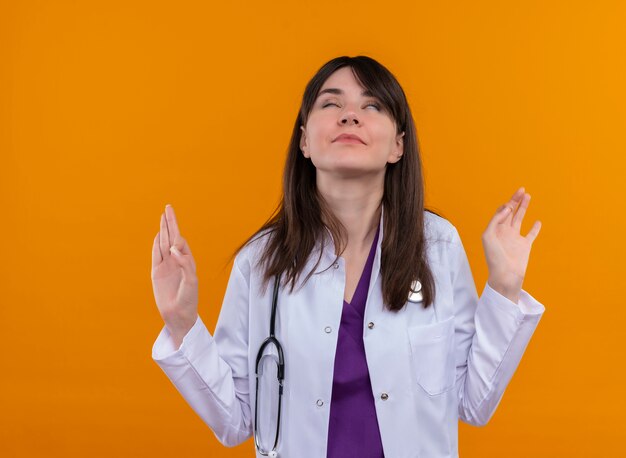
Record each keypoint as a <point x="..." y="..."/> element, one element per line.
<point x="174" y="280"/>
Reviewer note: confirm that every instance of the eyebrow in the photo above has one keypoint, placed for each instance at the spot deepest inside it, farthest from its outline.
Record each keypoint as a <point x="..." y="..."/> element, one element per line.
<point x="336" y="91"/>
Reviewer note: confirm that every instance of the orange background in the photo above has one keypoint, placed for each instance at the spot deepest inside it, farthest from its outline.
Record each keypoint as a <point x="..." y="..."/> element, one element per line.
<point x="111" y="109"/>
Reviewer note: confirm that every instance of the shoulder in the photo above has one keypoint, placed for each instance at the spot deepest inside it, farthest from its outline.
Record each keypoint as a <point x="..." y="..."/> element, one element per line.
<point x="442" y="240"/>
<point x="438" y="229"/>
<point x="249" y="255"/>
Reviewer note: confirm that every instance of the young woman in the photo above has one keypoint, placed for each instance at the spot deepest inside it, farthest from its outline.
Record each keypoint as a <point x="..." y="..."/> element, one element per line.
<point x="365" y="297"/>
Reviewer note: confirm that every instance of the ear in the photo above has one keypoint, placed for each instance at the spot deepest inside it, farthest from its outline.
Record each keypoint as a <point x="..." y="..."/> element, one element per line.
<point x="304" y="147"/>
<point x="395" y="155"/>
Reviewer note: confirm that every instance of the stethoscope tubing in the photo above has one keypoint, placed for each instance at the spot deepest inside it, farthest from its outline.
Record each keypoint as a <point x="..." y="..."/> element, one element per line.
<point x="280" y="374"/>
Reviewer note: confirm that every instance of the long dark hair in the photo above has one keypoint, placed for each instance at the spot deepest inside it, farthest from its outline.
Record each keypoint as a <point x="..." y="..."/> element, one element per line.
<point x="298" y="221"/>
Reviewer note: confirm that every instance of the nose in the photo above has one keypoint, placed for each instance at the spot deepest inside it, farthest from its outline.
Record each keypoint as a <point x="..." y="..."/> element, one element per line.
<point x="349" y="118"/>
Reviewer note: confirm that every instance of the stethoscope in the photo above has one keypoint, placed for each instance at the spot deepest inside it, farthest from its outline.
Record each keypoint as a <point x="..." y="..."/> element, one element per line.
<point x="414" y="296"/>
<point x="280" y="361"/>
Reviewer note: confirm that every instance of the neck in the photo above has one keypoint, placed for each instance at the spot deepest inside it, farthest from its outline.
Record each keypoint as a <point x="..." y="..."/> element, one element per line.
<point x="356" y="202"/>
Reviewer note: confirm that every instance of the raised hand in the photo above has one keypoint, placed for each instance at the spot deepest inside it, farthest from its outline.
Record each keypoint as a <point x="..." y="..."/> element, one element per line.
<point x="174" y="280"/>
<point x="506" y="250"/>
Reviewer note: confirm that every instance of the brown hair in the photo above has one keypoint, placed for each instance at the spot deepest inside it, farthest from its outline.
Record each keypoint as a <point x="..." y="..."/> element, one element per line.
<point x="298" y="221"/>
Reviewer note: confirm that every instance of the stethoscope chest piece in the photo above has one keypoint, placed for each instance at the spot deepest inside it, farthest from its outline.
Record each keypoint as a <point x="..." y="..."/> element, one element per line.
<point x="416" y="292"/>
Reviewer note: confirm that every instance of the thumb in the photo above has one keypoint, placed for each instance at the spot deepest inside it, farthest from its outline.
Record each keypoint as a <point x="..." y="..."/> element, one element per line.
<point x="183" y="262"/>
<point x="501" y="214"/>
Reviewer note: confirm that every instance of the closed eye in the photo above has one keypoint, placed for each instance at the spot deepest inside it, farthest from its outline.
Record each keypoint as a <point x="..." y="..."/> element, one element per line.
<point x="375" y="105"/>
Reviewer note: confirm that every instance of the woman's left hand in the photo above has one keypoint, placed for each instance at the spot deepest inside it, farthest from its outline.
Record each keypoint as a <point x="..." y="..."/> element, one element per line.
<point x="506" y="250"/>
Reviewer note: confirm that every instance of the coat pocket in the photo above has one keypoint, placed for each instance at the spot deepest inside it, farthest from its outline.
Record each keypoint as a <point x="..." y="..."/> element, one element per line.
<point x="432" y="355"/>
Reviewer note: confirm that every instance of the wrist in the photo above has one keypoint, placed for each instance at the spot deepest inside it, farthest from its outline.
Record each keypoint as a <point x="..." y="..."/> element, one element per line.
<point x="179" y="328"/>
<point x="511" y="292"/>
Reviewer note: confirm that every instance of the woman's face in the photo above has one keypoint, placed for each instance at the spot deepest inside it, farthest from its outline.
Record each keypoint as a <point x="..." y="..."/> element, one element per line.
<point x="342" y="108"/>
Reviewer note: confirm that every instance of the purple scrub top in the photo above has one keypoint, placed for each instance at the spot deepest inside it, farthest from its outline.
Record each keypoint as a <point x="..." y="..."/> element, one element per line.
<point x="353" y="429"/>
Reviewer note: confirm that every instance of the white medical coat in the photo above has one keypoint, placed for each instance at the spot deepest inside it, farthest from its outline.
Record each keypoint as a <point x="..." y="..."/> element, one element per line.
<point x="428" y="367"/>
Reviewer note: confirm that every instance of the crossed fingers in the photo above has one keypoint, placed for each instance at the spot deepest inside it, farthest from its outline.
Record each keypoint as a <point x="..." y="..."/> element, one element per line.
<point x="517" y="206"/>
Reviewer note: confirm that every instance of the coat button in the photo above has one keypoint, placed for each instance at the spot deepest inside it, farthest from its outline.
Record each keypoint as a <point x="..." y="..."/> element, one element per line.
<point x="320" y="403"/>
<point x="384" y="396"/>
<point x="370" y="325"/>
<point x="328" y="329"/>
<point x="336" y="265"/>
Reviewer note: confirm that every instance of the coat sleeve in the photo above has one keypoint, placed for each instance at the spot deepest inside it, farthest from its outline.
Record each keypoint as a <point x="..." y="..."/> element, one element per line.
<point x="211" y="372"/>
<point x="491" y="335"/>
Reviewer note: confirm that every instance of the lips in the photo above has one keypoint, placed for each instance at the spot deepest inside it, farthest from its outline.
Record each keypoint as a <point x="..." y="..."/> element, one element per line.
<point x="348" y="137"/>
